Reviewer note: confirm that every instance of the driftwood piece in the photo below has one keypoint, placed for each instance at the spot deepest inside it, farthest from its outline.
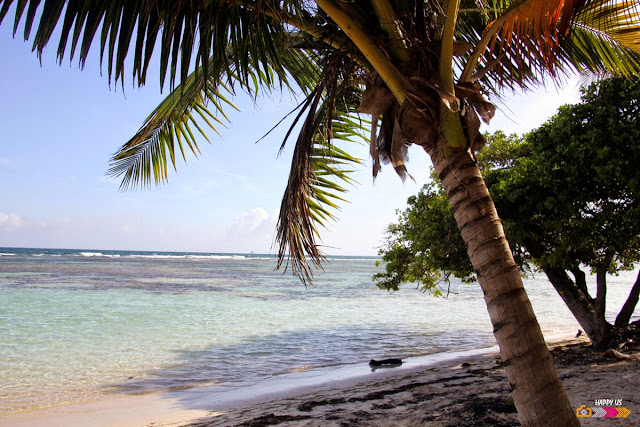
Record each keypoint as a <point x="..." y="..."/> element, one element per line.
<point x="385" y="363"/>
<point x="615" y="354"/>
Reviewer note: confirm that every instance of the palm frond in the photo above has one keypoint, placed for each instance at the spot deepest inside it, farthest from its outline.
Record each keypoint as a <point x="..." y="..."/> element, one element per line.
<point x="618" y="20"/>
<point x="605" y="38"/>
<point x="534" y="38"/>
<point x="315" y="188"/>
<point x="145" y="158"/>
<point x="319" y="169"/>
<point x="188" y="34"/>
<point x="521" y="43"/>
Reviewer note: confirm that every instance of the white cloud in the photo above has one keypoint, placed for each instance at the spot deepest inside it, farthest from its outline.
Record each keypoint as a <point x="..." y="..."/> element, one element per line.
<point x="250" y="231"/>
<point x="10" y="222"/>
<point x="249" y="222"/>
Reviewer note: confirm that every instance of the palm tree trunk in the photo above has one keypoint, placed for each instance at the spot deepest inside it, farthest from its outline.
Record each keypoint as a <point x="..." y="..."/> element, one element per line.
<point x="537" y="391"/>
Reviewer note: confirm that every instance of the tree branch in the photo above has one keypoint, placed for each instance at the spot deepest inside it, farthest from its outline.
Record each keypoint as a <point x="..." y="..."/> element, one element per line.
<point x="629" y="306"/>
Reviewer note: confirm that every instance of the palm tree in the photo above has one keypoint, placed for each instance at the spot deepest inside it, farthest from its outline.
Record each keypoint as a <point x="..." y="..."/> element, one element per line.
<point x="422" y="70"/>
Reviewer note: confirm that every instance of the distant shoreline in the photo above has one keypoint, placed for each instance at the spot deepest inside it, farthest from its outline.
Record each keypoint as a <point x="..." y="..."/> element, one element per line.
<point x="9" y="251"/>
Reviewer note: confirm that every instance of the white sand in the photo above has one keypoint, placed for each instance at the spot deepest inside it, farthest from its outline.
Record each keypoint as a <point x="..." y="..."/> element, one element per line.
<point x="439" y="393"/>
<point x="178" y="407"/>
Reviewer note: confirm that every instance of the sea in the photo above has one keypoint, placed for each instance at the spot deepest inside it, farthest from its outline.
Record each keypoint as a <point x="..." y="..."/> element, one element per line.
<point x="86" y="325"/>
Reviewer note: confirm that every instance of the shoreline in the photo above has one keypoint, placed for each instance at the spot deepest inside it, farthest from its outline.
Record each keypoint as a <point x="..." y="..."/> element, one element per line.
<point x="468" y="388"/>
<point x="166" y="405"/>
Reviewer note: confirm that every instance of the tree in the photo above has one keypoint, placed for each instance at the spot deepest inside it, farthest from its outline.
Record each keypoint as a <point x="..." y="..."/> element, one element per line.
<point x="423" y="65"/>
<point x="424" y="246"/>
<point x="569" y="197"/>
<point x="572" y="201"/>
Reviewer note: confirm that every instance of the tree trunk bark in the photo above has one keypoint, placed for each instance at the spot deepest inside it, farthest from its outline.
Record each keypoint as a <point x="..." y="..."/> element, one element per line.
<point x="629" y="306"/>
<point x="604" y="328"/>
<point x="580" y="305"/>
<point x="581" y="281"/>
<point x="537" y="391"/>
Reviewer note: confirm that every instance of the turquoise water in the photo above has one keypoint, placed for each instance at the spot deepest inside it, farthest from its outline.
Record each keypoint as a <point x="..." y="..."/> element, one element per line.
<point x="85" y="325"/>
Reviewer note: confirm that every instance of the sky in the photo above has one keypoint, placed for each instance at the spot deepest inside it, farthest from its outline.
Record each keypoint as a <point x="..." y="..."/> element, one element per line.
<point x="59" y="126"/>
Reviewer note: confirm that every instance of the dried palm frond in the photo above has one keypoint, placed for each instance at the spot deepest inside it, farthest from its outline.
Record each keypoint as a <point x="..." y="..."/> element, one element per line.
<point x="376" y="100"/>
<point x="318" y="168"/>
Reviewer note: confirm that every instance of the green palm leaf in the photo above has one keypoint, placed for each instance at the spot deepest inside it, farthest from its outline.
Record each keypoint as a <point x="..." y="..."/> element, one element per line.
<point x="316" y="184"/>
<point x="179" y="29"/>
<point x="145" y="158"/>
<point x="604" y="38"/>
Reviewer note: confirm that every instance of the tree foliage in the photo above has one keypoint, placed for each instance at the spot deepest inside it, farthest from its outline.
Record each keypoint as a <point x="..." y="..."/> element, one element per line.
<point x="574" y="198"/>
<point x="568" y="194"/>
<point x="425" y="245"/>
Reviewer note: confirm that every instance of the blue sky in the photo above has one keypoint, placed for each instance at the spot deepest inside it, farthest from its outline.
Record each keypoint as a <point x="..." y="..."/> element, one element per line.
<point x="59" y="126"/>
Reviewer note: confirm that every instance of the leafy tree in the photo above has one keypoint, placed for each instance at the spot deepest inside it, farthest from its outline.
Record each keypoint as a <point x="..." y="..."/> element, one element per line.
<point x="569" y="196"/>
<point x="421" y="68"/>
<point x="425" y="245"/>
<point x="575" y="199"/>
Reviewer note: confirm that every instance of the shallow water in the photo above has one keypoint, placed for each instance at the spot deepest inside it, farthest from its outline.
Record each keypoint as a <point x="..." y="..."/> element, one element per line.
<point x="84" y="325"/>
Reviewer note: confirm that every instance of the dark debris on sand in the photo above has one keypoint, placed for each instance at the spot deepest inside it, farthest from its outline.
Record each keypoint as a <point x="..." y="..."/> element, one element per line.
<point x="272" y="420"/>
<point x="577" y="355"/>
<point x="450" y="399"/>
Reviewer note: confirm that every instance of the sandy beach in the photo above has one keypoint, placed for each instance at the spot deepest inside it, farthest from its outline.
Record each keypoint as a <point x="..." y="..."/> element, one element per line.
<point x="469" y="391"/>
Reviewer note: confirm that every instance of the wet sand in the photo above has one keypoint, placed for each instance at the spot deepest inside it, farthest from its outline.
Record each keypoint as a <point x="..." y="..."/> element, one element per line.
<point x="472" y="392"/>
<point x="468" y="391"/>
